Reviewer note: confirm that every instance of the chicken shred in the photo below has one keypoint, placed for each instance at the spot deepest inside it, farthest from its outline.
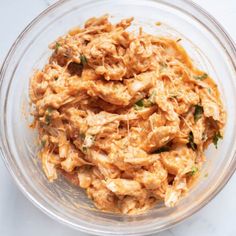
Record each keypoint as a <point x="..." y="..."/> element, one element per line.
<point x="125" y="116"/>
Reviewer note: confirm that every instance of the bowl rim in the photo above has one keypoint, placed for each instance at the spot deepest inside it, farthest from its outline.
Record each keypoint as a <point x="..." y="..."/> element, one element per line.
<point x="4" y="148"/>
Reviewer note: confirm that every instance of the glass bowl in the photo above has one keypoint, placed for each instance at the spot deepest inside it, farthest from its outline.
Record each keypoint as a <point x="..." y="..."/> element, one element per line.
<point x="208" y="45"/>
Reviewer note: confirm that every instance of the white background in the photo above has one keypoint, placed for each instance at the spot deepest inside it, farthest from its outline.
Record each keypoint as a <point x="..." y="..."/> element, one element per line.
<point x="19" y="217"/>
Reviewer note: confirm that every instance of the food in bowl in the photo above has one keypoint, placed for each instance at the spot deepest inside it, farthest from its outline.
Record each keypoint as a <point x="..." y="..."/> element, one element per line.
<point x="125" y="116"/>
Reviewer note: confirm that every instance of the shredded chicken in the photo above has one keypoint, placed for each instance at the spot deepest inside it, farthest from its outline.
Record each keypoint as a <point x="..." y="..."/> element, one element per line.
<point x="125" y="116"/>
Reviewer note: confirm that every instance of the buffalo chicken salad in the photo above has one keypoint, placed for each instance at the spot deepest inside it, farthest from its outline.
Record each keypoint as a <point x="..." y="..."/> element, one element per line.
<point x="125" y="116"/>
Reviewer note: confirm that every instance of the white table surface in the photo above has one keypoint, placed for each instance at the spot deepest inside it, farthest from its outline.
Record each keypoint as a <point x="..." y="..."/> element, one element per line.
<point x="19" y="217"/>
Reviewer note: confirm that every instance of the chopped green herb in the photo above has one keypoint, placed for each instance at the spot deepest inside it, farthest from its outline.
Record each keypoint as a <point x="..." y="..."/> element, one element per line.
<point x="216" y="138"/>
<point x="197" y="112"/>
<point x="47" y="119"/>
<point x="48" y="116"/>
<point x="162" y="149"/>
<point x="206" y="175"/>
<point x="209" y="90"/>
<point x="191" y="143"/>
<point x="137" y="108"/>
<point x="140" y="103"/>
<point x="200" y="77"/>
<point x="83" y="60"/>
<point x="57" y="46"/>
<point x="178" y="40"/>
<point x="43" y="143"/>
<point x="193" y="171"/>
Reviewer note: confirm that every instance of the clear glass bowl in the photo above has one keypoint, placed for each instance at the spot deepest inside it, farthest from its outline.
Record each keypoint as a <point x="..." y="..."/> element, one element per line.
<point x="206" y="42"/>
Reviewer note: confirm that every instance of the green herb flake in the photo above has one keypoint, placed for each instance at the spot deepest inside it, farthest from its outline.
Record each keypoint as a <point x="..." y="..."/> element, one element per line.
<point x="140" y="103"/>
<point x="143" y="103"/>
<point x="43" y="143"/>
<point x="48" y="116"/>
<point x="57" y="45"/>
<point x="201" y="77"/>
<point x="48" y="119"/>
<point x="193" y="171"/>
<point x="216" y="138"/>
<point x="191" y="143"/>
<point x="197" y="112"/>
<point x="162" y="149"/>
<point x="83" y="60"/>
<point x="178" y="40"/>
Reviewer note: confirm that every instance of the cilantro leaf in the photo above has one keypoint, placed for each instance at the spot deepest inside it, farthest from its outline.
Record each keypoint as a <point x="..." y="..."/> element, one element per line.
<point x="57" y="45"/>
<point x="191" y="143"/>
<point x="146" y="102"/>
<point x="197" y="112"/>
<point x="43" y="142"/>
<point x="140" y="103"/>
<point x="216" y="138"/>
<point x="201" y="77"/>
<point x="48" y="119"/>
<point x="48" y="116"/>
<point x="83" y="60"/>
<point x="193" y="171"/>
